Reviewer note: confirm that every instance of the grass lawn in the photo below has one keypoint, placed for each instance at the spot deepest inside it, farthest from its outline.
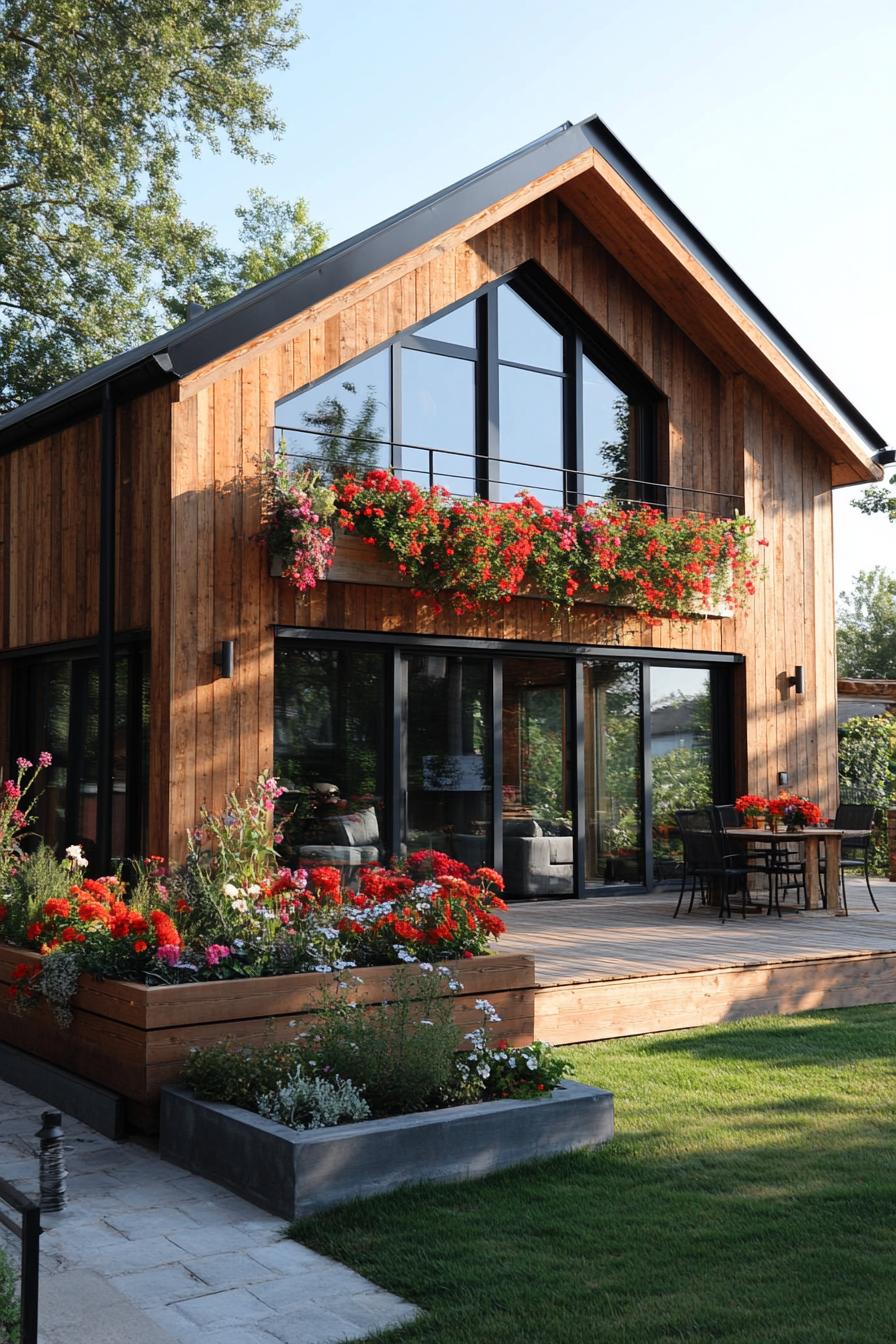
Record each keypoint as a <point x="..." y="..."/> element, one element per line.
<point x="749" y="1196"/>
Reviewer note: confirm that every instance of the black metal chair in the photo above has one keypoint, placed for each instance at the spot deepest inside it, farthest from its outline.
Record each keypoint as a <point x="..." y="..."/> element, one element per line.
<point x="705" y="861"/>
<point x="855" y="851"/>
<point x="766" y="858"/>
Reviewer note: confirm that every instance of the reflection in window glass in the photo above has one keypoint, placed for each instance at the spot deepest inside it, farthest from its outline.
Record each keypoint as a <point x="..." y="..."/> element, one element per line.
<point x="680" y="754"/>
<point x="523" y="336"/>
<point x="537" y="811"/>
<point x="57" y="710"/>
<point x="329" y="752"/>
<point x="438" y="411"/>
<point x="606" y="435"/>
<point x="531" y="418"/>
<point x="342" y="423"/>
<point x="613" y="822"/>
<point x="449" y="757"/>
<point x="457" y="327"/>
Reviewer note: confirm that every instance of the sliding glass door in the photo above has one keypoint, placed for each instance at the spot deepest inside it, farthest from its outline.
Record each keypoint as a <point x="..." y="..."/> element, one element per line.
<point x="565" y="771"/>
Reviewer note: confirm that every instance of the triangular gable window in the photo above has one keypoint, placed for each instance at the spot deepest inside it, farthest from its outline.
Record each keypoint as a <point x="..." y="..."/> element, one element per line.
<point x="511" y="390"/>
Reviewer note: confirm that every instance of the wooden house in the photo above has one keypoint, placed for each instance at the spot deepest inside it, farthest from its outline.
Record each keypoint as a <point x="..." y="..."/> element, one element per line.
<point x="552" y="323"/>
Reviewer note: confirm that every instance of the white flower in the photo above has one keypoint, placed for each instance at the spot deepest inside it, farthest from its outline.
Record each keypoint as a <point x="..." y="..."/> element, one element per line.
<point x="254" y="889"/>
<point x="483" y="1070"/>
<point x="483" y="1006"/>
<point x="240" y="906"/>
<point x="455" y="985"/>
<point x="426" y="965"/>
<point x="425" y="1022"/>
<point x="74" y="853"/>
<point x="531" y="1063"/>
<point x="443" y="970"/>
<point x="230" y="890"/>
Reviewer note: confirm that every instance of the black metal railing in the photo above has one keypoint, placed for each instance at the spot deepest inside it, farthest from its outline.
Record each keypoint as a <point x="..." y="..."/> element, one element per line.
<point x="465" y="474"/>
<point x="27" y="1229"/>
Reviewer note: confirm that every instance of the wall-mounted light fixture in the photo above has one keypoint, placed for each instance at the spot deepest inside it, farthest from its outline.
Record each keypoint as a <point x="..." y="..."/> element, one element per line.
<point x="223" y="659"/>
<point x="797" y="681"/>
<point x="783" y="779"/>
<point x="885" y="457"/>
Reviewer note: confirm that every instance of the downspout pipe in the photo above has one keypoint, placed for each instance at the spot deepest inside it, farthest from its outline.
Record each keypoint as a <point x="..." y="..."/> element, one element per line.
<point x="106" y="715"/>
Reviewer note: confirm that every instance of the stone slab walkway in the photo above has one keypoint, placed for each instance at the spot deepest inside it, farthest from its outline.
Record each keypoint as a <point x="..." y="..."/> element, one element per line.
<point x="146" y="1253"/>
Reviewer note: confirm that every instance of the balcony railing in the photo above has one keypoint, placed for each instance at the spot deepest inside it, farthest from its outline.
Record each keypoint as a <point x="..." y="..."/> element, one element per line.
<point x="497" y="478"/>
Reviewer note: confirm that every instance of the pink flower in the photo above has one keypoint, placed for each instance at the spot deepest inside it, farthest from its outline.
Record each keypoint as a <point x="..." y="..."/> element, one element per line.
<point x="12" y="790"/>
<point x="23" y="763"/>
<point x="216" y="952"/>
<point x="44" y="759"/>
<point x="169" y="953"/>
<point x="17" y="818"/>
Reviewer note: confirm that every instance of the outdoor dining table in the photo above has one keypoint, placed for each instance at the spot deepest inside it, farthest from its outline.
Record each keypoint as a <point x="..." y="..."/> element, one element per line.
<point x="812" y="838"/>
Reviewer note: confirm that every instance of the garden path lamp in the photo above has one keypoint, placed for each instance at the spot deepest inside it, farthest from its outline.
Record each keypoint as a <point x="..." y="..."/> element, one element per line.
<point x="53" y="1174"/>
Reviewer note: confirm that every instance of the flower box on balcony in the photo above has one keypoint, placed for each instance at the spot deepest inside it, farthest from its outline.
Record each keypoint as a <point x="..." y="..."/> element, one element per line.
<point x="356" y="561"/>
<point x="133" y="1038"/>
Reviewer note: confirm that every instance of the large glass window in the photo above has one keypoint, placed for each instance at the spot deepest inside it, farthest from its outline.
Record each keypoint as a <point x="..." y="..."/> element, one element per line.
<point x="56" y="708"/>
<point x="366" y="773"/>
<point x="614" y="832"/>
<point x="680" y="754"/>
<point x="448" y="756"/>
<point x="329" y="752"/>
<point x="439" y="412"/>
<point x="342" y="423"/>
<point x="502" y="393"/>
<point x="536" y="808"/>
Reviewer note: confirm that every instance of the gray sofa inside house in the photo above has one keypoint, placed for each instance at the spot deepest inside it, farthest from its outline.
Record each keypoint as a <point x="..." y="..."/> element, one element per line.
<point x="538" y="856"/>
<point x="347" y="839"/>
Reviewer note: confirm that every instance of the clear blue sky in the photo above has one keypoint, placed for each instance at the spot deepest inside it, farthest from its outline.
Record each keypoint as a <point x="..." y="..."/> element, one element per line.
<point x="772" y="123"/>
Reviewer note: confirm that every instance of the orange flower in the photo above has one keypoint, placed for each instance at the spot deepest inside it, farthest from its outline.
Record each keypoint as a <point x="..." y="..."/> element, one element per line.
<point x="140" y="945"/>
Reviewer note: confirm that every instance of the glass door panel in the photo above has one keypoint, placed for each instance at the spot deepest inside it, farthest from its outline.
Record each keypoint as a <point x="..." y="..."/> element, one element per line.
<point x="448" y="756"/>
<point x="680" y="755"/>
<point x="330" y="752"/>
<point x="537" y="815"/>
<point x="614" y="830"/>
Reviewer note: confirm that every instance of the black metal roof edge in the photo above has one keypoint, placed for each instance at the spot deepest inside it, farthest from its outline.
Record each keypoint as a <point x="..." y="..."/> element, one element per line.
<point x="212" y="334"/>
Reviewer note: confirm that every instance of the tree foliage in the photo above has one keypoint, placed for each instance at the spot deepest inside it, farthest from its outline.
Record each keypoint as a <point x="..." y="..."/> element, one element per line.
<point x="98" y="101"/>
<point x="866" y="626"/>
<point x="877" y="499"/>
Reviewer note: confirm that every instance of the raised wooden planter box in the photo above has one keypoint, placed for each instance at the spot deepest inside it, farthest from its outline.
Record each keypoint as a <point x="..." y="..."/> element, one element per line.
<point x="133" y="1038"/>
<point x="295" y="1173"/>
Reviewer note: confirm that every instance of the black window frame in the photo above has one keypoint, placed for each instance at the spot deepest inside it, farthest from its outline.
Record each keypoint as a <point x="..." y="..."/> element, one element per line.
<point x="581" y="337"/>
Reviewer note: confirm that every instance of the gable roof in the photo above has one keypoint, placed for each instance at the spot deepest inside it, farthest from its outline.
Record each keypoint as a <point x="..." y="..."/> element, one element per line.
<point x="219" y="331"/>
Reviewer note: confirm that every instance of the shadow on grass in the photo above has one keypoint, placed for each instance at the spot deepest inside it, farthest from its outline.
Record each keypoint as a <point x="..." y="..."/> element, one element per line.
<point x="739" y="1202"/>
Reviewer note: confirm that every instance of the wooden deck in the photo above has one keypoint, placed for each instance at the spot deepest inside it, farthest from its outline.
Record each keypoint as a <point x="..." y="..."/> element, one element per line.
<point x="620" y="966"/>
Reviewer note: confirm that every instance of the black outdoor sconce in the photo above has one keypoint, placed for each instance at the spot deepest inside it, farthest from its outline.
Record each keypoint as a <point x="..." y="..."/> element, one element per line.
<point x="224" y="658"/>
<point x="797" y="681"/>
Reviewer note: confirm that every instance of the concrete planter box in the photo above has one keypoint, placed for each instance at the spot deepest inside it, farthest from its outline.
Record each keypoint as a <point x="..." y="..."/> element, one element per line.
<point x="295" y="1173"/>
<point x="132" y="1038"/>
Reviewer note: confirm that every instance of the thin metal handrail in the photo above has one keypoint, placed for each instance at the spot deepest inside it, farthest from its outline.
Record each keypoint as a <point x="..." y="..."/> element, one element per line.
<point x="734" y="501"/>
<point x="28" y="1231"/>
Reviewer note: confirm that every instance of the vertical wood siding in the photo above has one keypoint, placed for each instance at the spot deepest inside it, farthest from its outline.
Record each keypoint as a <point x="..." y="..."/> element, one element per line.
<point x="724" y="435"/>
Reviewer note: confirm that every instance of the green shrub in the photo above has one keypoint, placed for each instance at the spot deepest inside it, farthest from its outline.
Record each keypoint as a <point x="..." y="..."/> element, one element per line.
<point x="867" y="767"/>
<point x="239" y="1075"/>
<point x="9" y="1303"/>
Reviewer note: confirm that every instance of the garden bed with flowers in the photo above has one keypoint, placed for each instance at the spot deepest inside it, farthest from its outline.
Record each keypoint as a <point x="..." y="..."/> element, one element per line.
<point x="366" y="1097"/>
<point x="117" y="978"/>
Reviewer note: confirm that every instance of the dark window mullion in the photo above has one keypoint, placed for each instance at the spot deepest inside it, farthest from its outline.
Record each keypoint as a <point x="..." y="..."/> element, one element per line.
<point x="646" y="776"/>
<point x="577" y="738"/>
<point x="574" y="480"/>
<point x="396" y="433"/>
<point x="498" y="763"/>
<point x="489" y="437"/>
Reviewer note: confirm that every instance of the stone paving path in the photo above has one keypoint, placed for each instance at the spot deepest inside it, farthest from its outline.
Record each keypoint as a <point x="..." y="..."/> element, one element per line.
<point x="146" y="1253"/>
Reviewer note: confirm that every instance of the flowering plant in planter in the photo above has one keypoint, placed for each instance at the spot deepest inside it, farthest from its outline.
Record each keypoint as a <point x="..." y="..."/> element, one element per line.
<point x="402" y="1055"/>
<point x="16" y="808"/>
<point x="795" y="811"/>
<point x="233" y="910"/>
<point x="752" y="806"/>
<point x="474" y="552"/>
<point x="296" y="506"/>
